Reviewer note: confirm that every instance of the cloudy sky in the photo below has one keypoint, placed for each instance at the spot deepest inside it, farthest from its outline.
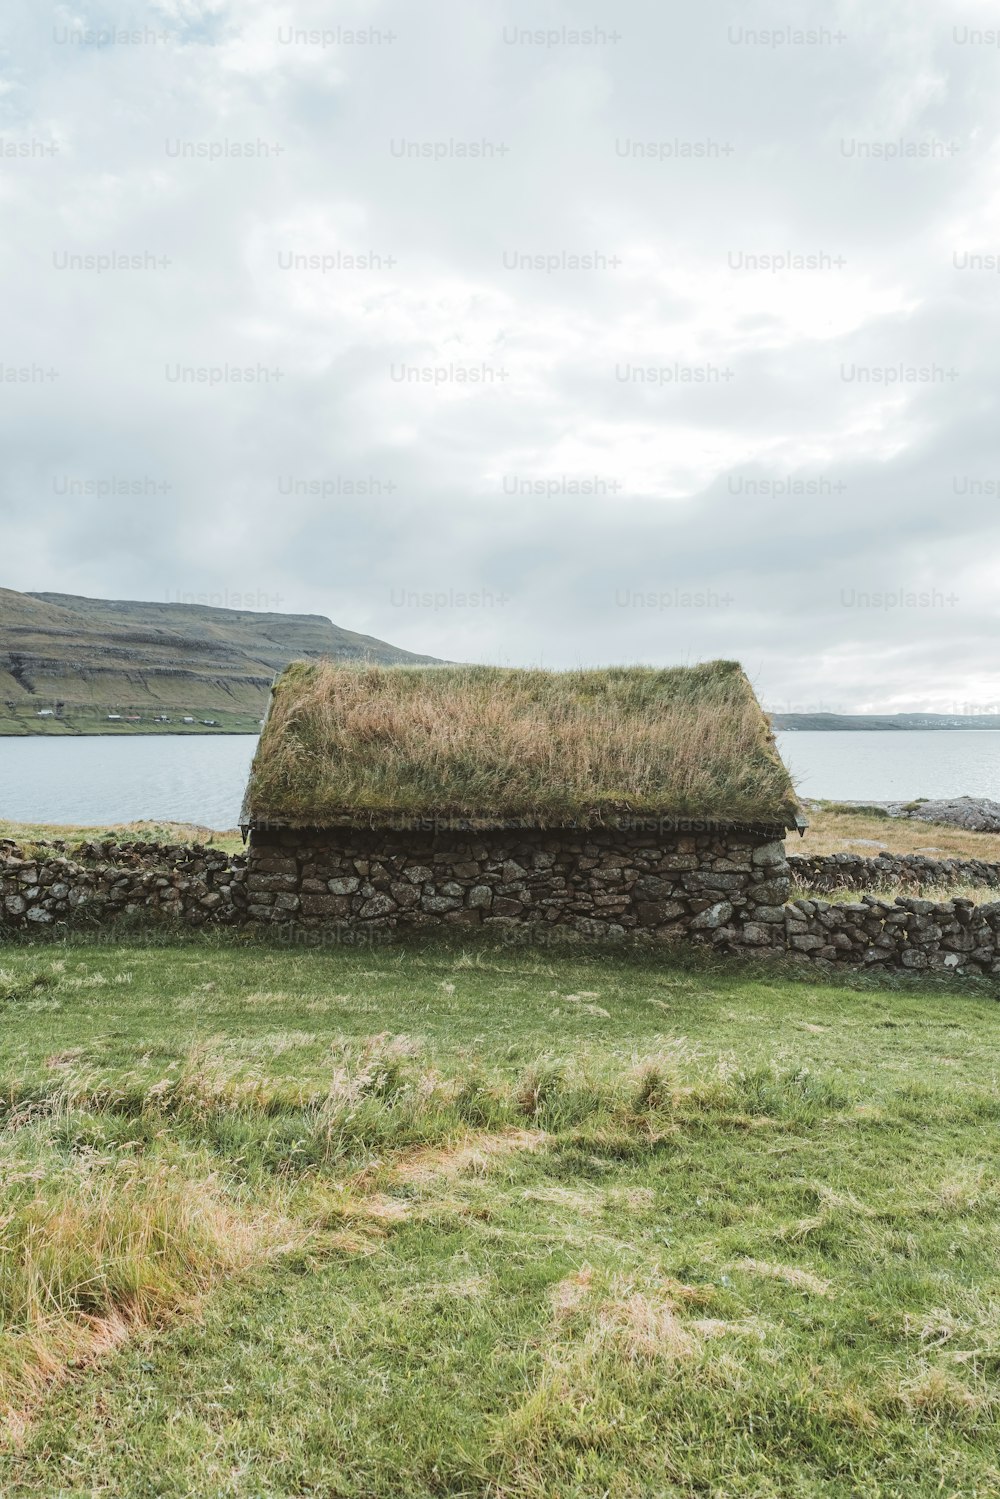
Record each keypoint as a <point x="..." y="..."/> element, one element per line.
<point x="470" y="327"/>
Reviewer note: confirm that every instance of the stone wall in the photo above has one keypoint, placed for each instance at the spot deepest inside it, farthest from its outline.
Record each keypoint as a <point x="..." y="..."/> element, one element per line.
<point x="906" y="933"/>
<point x="180" y="882"/>
<point x="602" y="885"/>
<point x="730" y="892"/>
<point x="853" y="872"/>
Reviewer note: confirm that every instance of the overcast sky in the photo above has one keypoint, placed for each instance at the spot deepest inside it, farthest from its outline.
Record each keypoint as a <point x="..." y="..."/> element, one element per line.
<point x="667" y="452"/>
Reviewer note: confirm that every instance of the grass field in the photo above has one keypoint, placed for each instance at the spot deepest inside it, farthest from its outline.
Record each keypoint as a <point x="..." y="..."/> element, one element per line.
<point x="492" y="1223"/>
<point x="835" y="829"/>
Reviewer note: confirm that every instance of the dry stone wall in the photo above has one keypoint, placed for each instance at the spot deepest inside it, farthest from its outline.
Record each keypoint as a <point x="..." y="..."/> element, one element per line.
<point x="602" y="885"/>
<point x="185" y="883"/>
<point x="853" y="872"/>
<point x="906" y="933"/>
<point x="728" y="891"/>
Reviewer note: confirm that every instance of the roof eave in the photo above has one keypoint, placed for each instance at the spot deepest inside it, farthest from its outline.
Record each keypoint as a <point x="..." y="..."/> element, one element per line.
<point x="679" y="823"/>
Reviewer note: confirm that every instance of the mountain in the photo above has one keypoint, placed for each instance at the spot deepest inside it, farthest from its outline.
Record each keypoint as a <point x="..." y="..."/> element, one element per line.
<point x="887" y="721"/>
<point x="67" y="663"/>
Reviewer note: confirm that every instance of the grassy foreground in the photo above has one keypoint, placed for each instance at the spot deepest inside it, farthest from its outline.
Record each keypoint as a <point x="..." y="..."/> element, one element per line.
<point x="492" y="1223"/>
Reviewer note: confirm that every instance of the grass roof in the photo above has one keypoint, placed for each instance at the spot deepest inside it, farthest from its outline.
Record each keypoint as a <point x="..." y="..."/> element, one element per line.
<point x="497" y="746"/>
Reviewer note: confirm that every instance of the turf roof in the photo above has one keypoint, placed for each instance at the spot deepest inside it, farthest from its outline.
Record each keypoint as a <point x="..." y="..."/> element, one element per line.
<point x="497" y="747"/>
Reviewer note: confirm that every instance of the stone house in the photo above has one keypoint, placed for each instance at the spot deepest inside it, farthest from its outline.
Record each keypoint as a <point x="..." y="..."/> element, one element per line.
<point x="599" y="802"/>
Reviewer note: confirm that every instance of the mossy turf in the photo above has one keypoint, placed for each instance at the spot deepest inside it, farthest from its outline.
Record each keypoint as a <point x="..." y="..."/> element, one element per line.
<point x="492" y="1223"/>
<point x="497" y="745"/>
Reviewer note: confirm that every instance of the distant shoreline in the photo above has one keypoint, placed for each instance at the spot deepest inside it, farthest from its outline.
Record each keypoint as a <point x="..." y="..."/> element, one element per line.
<point x="784" y="723"/>
<point x="899" y="723"/>
<point x="132" y="731"/>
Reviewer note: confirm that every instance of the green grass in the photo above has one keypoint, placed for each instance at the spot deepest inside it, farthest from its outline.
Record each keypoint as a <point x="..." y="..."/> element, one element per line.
<point x="492" y="1222"/>
<point x="78" y="720"/>
<point x="37" y="838"/>
<point x="361" y="744"/>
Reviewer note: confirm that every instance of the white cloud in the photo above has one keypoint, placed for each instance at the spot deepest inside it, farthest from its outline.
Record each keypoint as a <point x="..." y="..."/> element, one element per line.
<point x="694" y="483"/>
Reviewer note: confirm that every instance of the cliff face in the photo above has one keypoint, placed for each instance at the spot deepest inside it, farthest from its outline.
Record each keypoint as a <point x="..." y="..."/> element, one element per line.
<point x="82" y="659"/>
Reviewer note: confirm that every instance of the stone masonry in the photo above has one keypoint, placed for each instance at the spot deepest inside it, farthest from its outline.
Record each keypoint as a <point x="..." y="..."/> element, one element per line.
<point x="854" y="872"/>
<point x="954" y="935"/>
<point x="727" y="890"/>
<point x="602" y="884"/>
<point x="192" y="884"/>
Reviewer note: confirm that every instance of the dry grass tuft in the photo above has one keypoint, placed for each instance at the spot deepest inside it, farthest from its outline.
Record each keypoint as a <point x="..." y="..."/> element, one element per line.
<point x="471" y="1157"/>
<point x="634" y="1322"/>
<point x="644" y="1326"/>
<point x="90" y="1257"/>
<point x="792" y="1275"/>
<point x="570" y="1292"/>
<point x="356" y="743"/>
<point x="891" y="890"/>
<point x="962" y="1194"/>
<point x="937" y="1395"/>
<point x="716" y="1327"/>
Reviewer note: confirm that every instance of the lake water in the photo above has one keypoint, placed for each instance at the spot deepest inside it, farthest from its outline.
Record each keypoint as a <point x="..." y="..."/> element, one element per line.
<point x="169" y="777"/>
<point x="886" y="764"/>
<point x="200" y="779"/>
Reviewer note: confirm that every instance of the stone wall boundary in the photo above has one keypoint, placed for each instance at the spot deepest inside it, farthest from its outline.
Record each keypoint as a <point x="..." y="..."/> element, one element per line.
<point x="730" y="894"/>
<point x="828" y="872"/>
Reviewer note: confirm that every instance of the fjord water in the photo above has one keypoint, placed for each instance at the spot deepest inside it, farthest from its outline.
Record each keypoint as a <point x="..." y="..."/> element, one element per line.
<point x="112" y="779"/>
<point x="891" y="764"/>
<point x="200" y="779"/>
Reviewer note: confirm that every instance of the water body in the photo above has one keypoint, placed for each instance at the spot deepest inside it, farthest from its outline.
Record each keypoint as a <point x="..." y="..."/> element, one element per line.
<point x="95" y="781"/>
<point x="885" y="764"/>
<point x="201" y="779"/>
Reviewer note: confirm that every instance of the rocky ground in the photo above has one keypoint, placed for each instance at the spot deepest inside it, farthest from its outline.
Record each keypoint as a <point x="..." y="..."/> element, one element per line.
<point x="974" y="814"/>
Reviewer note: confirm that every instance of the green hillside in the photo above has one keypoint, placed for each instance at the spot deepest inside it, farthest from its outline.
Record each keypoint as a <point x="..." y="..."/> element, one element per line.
<point x="67" y="663"/>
